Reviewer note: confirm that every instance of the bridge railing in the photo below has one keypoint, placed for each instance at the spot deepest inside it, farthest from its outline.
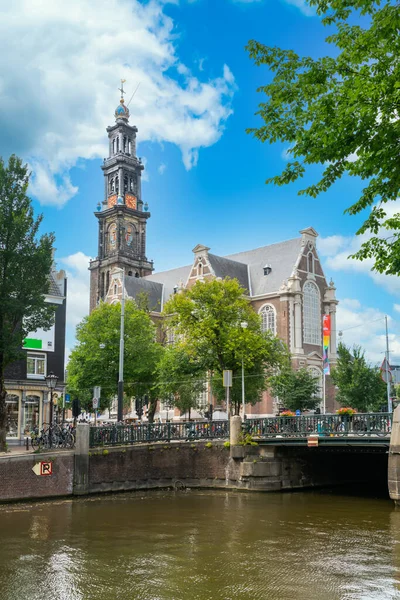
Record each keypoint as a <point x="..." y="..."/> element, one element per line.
<point x="360" y="424"/>
<point x="113" y="435"/>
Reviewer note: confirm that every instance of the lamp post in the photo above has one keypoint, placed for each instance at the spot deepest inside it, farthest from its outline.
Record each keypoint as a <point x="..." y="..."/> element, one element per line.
<point x="243" y="325"/>
<point x="51" y="382"/>
<point x="121" y="353"/>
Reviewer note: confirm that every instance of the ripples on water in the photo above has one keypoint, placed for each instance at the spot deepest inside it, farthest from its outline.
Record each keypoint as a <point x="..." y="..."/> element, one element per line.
<point x="201" y="546"/>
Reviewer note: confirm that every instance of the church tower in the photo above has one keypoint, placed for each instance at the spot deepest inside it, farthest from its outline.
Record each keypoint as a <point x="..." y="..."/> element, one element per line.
<point x="122" y="216"/>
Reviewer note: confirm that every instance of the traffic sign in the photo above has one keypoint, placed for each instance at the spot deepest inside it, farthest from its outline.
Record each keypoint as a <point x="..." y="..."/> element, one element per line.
<point x="227" y="378"/>
<point x="97" y="391"/>
<point x="95" y="403"/>
<point x="67" y="398"/>
<point x="44" y="467"/>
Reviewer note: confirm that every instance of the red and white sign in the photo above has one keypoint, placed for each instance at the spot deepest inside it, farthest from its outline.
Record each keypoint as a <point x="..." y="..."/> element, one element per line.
<point x="44" y="467"/>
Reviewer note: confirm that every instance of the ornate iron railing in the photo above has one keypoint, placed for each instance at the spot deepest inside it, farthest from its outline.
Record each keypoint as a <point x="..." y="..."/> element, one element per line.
<point x="360" y="424"/>
<point x="157" y="432"/>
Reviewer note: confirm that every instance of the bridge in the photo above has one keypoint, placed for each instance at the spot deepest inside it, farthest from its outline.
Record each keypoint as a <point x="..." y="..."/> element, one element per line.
<point x="360" y="430"/>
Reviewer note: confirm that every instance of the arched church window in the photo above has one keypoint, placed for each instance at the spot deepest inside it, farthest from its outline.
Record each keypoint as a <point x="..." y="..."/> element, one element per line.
<point x="126" y="183"/>
<point x="112" y="184"/>
<point x="312" y="313"/>
<point x="129" y="147"/>
<point x="107" y="281"/>
<point x="117" y="144"/>
<point x="130" y="273"/>
<point x="113" y="146"/>
<point x="137" y="274"/>
<point x="310" y="262"/>
<point x="131" y="184"/>
<point x="124" y="144"/>
<point x="200" y="269"/>
<point x="102" y="286"/>
<point x="268" y="318"/>
<point x="117" y="184"/>
<point x="115" y="289"/>
<point x="317" y="374"/>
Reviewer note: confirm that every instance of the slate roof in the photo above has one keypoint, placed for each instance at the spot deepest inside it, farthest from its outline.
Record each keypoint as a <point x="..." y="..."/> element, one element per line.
<point x="225" y="267"/>
<point x="54" y="289"/>
<point x="281" y="256"/>
<point x="153" y="289"/>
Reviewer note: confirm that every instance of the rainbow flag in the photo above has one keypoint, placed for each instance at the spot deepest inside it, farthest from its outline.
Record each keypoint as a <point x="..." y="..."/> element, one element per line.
<point x="326" y="328"/>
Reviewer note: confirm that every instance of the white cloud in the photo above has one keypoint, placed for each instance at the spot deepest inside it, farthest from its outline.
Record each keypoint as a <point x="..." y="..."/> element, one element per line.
<point x="365" y="327"/>
<point x="76" y="266"/>
<point x="336" y="249"/>
<point x="396" y="307"/>
<point x="59" y="74"/>
<point x="162" y="168"/>
<point x="303" y="6"/>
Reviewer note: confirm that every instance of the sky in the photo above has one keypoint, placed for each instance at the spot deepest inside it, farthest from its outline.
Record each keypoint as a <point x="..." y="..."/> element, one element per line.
<point x="60" y="67"/>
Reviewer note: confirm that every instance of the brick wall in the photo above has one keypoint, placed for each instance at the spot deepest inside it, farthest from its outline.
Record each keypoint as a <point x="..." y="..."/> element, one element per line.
<point x="144" y="467"/>
<point x="19" y="482"/>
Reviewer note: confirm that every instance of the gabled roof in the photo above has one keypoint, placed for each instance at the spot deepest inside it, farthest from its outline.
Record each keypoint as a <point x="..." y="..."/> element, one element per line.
<point x="282" y="257"/>
<point x="153" y="289"/>
<point x="225" y="267"/>
<point x="54" y="288"/>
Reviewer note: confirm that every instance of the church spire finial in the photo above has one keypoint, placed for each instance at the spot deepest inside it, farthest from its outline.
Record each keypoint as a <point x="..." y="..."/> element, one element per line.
<point x="121" y="89"/>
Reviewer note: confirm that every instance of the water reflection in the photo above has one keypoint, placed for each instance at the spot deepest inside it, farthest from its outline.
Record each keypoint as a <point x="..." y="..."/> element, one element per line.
<point x="202" y="546"/>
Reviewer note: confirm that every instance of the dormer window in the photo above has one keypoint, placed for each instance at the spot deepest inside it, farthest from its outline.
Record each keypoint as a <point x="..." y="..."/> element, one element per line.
<point x="267" y="269"/>
<point x="200" y="269"/>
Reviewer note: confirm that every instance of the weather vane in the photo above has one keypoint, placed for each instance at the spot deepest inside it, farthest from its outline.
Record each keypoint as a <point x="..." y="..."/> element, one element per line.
<point x="121" y="89"/>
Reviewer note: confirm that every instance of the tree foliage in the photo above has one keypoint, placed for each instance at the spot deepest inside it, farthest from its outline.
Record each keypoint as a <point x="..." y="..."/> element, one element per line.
<point x="342" y="112"/>
<point x="25" y="265"/>
<point x="295" y="389"/>
<point x="181" y="378"/>
<point x="95" y="359"/>
<point x="209" y="317"/>
<point x="359" y="384"/>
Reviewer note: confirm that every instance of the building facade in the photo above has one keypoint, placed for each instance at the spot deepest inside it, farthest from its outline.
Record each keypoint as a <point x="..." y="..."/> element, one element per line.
<point x="28" y="397"/>
<point x="284" y="282"/>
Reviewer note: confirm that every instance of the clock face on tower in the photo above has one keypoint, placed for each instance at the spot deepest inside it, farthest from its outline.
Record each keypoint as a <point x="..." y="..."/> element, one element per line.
<point x="130" y="200"/>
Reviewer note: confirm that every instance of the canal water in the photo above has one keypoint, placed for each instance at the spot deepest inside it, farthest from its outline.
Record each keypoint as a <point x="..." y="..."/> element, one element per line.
<point x="200" y="545"/>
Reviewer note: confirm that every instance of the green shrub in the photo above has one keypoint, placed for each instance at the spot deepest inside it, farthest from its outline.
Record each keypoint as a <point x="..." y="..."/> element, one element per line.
<point x="208" y="445"/>
<point x="105" y="452"/>
<point x="227" y="444"/>
<point x="246" y="439"/>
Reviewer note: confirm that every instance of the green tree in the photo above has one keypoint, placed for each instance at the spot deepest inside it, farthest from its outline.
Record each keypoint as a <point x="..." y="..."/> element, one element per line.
<point x="25" y="265"/>
<point x="181" y="377"/>
<point x="95" y="359"/>
<point x="296" y="389"/>
<point x="342" y="112"/>
<point x="209" y="317"/>
<point x="359" y="384"/>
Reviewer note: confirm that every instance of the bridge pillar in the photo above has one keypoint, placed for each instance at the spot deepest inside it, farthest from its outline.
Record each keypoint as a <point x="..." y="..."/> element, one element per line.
<point x="81" y="471"/>
<point x="235" y="430"/>
<point x="394" y="459"/>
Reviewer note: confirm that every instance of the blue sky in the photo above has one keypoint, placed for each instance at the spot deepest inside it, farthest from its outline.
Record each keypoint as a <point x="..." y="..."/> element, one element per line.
<point x="205" y="177"/>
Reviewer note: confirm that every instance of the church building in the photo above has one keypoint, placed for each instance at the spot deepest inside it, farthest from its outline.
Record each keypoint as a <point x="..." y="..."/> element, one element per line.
<point x="284" y="281"/>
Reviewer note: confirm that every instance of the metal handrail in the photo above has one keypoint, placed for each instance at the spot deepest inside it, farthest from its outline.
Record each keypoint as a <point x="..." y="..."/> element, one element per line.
<point x="359" y="424"/>
<point x="157" y="432"/>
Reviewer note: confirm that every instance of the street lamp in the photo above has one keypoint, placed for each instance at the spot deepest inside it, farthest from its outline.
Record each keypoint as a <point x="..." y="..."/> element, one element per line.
<point x="51" y="382"/>
<point x="243" y="325"/>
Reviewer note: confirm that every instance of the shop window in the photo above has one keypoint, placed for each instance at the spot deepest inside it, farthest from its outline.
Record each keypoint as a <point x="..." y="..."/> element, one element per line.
<point x="36" y="366"/>
<point x="12" y="402"/>
<point x="31" y="413"/>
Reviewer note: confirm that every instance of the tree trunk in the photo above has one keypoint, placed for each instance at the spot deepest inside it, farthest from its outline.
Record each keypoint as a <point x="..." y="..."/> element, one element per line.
<point x="152" y="410"/>
<point x="3" y="416"/>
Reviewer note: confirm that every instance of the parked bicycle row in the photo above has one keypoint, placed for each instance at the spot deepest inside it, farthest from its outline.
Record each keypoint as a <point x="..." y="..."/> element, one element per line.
<point x="55" y="437"/>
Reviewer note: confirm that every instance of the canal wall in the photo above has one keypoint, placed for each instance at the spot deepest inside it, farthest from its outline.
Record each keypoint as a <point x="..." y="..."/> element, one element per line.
<point x="189" y="465"/>
<point x="20" y="477"/>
